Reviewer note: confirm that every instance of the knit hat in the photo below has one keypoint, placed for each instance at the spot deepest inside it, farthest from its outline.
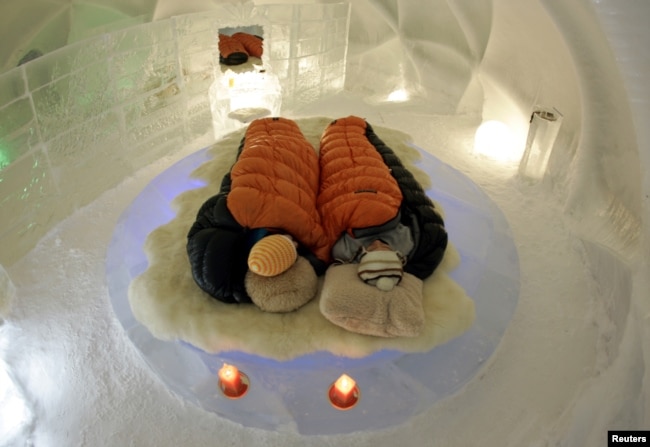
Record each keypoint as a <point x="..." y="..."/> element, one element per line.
<point x="272" y="255"/>
<point x="380" y="266"/>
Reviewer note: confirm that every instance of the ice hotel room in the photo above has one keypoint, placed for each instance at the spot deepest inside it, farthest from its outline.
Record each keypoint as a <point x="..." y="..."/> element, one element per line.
<point x="324" y="223"/>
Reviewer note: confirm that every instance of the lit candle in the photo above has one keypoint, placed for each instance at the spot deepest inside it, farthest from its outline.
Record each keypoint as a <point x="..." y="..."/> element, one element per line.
<point x="232" y="382"/>
<point x="344" y="393"/>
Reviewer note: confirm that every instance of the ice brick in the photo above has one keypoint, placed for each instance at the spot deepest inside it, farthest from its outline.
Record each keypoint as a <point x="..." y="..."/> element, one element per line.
<point x="156" y="147"/>
<point x="67" y="60"/>
<point x="18" y="132"/>
<point x="12" y="86"/>
<point x="309" y="30"/>
<point x="24" y="185"/>
<point x="307" y="64"/>
<point x="73" y="99"/>
<point x="147" y="35"/>
<point x="309" y="46"/>
<point x="82" y="142"/>
<point x="281" y="13"/>
<point x="199" y="118"/>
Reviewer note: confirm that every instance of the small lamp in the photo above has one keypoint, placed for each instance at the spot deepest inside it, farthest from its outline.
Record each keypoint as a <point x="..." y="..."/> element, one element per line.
<point x="544" y="126"/>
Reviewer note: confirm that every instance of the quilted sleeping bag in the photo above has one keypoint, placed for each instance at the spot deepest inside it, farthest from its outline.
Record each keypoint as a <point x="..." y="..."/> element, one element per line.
<point x="365" y="187"/>
<point x="417" y="212"/>
<point x="357" y="190"/>
<point x="356" y="185"/>
<point x="272" y="187"/>
<point x="275" y="183"/>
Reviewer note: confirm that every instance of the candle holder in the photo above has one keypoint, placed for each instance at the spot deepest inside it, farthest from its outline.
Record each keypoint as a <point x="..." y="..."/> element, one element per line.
<point x="233" y="383"/>
<point x="344" y="393"/>
<point x="545" y="124"/>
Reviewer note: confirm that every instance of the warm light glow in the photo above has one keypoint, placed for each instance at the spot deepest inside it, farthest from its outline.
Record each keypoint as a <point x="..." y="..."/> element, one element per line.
<point x="495" y="140"/>
<point x="345" y="384"/>
<point x="254" y="90"/>
<point x="229" y="373"/>
<point x="232" y="382"/>
<point x="344" y="393"/>
<point x="238" y="98"/>
<point x="399" y="95"/>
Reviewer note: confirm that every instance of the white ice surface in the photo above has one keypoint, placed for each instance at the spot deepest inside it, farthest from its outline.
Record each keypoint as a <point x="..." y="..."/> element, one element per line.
<point x="73" y="356"/>
<point x="573" y="362"/>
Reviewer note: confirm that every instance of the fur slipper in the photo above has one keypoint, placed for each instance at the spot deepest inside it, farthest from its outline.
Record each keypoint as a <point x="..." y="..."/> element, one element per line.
<point x="285" y="292"/>
<point x="358" y="307"/>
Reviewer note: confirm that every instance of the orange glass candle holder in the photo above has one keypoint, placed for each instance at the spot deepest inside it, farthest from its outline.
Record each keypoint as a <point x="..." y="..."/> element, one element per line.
<point x="344" y="393"/>
<point x="232" y="382"/>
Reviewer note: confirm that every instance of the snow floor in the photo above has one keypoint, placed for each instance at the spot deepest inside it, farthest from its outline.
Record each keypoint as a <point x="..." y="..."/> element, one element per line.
<point x="86" y="384"/>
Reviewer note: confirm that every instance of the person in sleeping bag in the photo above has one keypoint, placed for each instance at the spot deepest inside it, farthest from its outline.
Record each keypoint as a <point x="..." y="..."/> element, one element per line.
<point x="373" y="210"/>
<point x="265" y="209"/>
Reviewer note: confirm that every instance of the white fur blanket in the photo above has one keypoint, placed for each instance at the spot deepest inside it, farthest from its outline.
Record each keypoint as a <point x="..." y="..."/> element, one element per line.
<point x="166" y="300"/>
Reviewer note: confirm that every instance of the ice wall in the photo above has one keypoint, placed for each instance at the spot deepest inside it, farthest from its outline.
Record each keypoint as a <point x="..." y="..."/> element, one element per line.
<point x="607" y="167"/>
<point x="48" y="25"/>
<point x="430" y="52"/>
<point x="77" y="121"/>
<point x="620" y="395"/>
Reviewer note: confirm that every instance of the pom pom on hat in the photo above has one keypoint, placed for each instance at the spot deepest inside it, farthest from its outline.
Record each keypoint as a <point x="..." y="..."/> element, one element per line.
<point x="381" y="267"/>
<point x="272" y="255"/>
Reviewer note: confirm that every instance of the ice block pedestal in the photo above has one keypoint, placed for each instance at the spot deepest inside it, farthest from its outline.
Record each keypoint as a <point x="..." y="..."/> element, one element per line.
<point x="239" y="98"/>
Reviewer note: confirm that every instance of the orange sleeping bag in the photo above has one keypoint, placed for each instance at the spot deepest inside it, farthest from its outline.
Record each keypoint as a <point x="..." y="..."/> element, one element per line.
<point x="253" y="44"/>
<point x="275" y="184"/>
<point x="357" y="190"/>
<point x="231" y="51"/>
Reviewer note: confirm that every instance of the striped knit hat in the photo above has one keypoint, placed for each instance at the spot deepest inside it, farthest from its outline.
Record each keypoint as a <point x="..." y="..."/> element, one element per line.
<point x="272" y="255"/>
<point x="380" y="266"/>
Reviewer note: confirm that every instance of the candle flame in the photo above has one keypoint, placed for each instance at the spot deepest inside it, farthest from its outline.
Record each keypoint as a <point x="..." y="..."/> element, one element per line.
<point x="228" y="372"/>
<point x="345" y="383"/>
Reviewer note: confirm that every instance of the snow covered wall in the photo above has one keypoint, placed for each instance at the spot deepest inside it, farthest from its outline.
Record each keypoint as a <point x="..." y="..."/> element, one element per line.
<point x="575" y="362"/>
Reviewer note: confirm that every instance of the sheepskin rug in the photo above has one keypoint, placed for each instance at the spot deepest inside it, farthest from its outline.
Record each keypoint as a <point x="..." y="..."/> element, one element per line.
<point x="166" y="300"/>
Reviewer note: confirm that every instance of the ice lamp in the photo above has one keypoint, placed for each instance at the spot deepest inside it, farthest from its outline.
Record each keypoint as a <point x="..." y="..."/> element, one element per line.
<point x="344" y="393"/>
<point x="544" y="127"/>
<point x="494" y="139"/>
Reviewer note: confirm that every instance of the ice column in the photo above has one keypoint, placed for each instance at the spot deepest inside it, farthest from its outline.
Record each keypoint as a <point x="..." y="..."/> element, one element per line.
<point x="544" y="126"/>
